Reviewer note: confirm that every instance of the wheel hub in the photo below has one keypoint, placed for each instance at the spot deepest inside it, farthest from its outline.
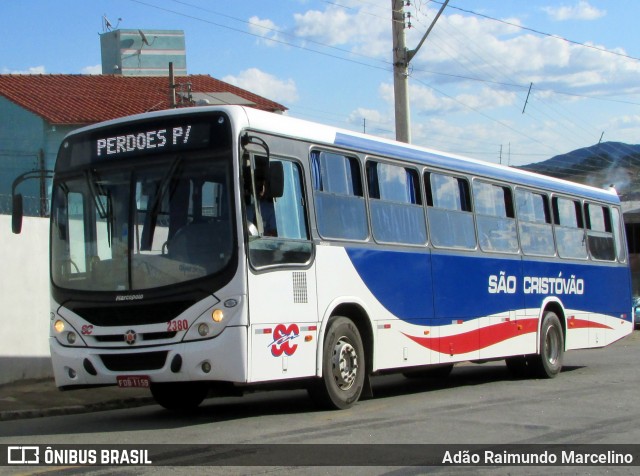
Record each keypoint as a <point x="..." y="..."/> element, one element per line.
<point x="344" y="363"/>
<point x="552" y="346"/>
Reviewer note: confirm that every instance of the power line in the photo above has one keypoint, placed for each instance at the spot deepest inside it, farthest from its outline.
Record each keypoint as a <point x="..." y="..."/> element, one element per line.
<point x="274" y="40"/>
<point x="385" y="66"/>
<point x="539" y="32"/>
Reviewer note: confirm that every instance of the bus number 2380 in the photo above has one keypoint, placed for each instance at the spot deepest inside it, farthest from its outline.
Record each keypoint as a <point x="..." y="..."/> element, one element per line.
<point x="177" y="325"/>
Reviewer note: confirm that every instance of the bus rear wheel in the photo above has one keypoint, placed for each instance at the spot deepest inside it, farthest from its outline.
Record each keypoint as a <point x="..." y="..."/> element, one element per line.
<point x="343" y="366"/>
<point x="179" y="396"/>
<point x="548" y="363"/>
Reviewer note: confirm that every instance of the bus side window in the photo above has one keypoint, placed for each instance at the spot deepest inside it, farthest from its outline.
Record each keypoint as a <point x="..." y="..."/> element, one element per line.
<point x="618" y="234"/>
<point x="534" y="222"/>
<point x="289" y="244"/>
<point x="495" y="217"/>
<point x="599" y="232"/>
<point x="397" y="215"/>
<point x="449" y="211"/>
<point x="339" y="199"/>
<point x="569" y="228"/>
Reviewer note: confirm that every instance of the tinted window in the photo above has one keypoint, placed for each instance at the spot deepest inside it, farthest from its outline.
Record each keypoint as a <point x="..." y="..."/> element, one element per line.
<point x="570" y="237"/>
<point x="534" y="221"/>
<point x="599" y="232"/>
<point x="618" y="233"/>
<point x="495" y="218"/>
<point x="340" y="207"/>
<point x="449" y="211"/>
<point x="282" y="212"/>
<point x="397" y="215"/>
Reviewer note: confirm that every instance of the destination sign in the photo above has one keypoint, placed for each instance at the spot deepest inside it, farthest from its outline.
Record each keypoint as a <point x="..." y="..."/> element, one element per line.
<point x="136" y="139"/>
<point x="174" y="137"/>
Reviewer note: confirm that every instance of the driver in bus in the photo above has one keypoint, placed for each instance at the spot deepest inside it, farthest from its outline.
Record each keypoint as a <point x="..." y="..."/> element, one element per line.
<point x="267" y="210"/>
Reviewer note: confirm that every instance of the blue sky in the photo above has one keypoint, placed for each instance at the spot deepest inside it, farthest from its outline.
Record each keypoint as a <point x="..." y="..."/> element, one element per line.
<point x="330" y="61"/>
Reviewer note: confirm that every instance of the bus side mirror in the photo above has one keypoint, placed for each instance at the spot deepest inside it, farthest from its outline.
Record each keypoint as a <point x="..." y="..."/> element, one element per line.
<point x="16" y="214"/>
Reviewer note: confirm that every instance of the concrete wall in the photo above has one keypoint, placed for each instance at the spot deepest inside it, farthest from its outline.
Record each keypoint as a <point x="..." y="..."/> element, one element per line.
<point x="24" y="297"/>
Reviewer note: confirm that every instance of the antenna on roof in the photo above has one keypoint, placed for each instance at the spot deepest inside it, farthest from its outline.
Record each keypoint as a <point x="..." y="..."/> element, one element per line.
<point x="144" y="37"/>
<point x="107" y="25"/>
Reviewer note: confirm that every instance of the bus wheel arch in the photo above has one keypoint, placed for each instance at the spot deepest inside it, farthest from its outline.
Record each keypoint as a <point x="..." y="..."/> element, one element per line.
<point x="346" y="359"/>
<point x="547" y="363"/>
<point x="558" y="310"/>
<point x="550" y="347"/>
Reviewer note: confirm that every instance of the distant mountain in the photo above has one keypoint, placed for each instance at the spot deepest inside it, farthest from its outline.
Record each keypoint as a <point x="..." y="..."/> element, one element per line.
<point x="600" y="165"/>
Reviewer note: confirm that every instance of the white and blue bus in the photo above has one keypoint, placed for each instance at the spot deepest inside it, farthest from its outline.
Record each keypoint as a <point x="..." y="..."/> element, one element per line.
<point x="218" y="248"/>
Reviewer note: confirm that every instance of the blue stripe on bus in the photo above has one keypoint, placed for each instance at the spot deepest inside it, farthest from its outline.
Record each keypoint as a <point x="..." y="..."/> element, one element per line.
<point x="470" y="167"/>
<point x="415" y="286"/>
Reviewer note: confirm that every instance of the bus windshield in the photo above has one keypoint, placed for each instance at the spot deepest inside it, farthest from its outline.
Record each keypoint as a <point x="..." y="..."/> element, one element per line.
<point x="163" y="221"/>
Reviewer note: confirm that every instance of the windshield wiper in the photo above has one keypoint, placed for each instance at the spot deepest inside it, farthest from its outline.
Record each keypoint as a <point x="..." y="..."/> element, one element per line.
<point x="96" y="191"/>
<point x="154" y="209"/>
<point x="104" y="211"/>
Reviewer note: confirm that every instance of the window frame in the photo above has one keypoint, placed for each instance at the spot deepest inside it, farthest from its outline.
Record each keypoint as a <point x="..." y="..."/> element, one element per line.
<point x="275" y="243"/>
<point x="509" y="215"/>
<point x="465" y="193"/>
<point x="374" y="198"/>
<point x="320" y="192"/>
<point x="548" y="221"/>
<point x="592" y="233"/>
<point x="558" y="226"/>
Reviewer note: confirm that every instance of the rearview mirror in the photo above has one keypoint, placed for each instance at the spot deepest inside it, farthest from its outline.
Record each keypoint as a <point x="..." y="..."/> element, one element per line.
<point x="16" y="214"/>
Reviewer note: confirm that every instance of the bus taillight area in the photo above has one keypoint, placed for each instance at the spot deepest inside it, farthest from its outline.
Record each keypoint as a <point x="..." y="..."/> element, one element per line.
<point x="201" y="360"/>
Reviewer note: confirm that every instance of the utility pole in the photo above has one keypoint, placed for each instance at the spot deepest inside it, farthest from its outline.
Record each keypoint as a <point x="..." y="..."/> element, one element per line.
<point x="172" y="87"/>
<point x="401" y="59"/>
<point x="400" y="73"/>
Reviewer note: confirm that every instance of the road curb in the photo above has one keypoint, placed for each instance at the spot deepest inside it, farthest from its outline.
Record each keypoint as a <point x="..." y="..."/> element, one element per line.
<point x="76" y="409"/>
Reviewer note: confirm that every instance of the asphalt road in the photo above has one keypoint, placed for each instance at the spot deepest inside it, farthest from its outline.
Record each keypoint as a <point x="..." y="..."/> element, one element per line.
<point x="595" y="400"/>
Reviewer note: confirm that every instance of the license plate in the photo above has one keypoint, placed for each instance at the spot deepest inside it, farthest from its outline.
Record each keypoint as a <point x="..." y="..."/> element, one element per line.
<point x="133" y="381"/>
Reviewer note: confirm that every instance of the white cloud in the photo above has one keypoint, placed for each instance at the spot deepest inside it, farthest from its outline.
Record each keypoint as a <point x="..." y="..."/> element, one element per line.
<point x="365" y="32"/>
<point x="266" y="29"/>
<point x="483" y="65"/>
<point x="266" y="85"/>
<point x="371" y="121"/>
<point x="96" y="69"/>
<point x="580" y="11"/>
<point x="332" y="26"/>
<point x="31" y="70"/>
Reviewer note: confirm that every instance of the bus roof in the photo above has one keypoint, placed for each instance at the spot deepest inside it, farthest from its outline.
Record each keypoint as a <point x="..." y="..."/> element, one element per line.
<point x="326" y="135"/>
<point x="388" y="148"/>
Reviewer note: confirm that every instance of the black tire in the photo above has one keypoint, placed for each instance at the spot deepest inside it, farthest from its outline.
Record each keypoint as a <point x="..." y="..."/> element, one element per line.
<point x="179" y="396"/>
<point x="548" y="363"/>
<point x="435" y="372"/>
<point x="343" y="367"/>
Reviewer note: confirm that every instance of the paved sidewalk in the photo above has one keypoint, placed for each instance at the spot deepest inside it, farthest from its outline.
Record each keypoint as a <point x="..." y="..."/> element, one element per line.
<point x="41" y="397"/>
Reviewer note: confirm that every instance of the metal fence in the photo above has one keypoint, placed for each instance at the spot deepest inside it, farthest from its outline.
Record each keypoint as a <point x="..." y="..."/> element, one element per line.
<point x="32" y="206"/>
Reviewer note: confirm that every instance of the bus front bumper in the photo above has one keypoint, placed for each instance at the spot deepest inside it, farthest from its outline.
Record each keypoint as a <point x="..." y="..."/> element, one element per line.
<point x="182" y="362"/>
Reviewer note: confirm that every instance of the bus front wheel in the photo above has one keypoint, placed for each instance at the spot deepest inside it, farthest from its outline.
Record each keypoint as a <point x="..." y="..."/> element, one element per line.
<point x="548" y="363"/>
<point x="343" y="366"/>
<point x="179" y="396"/>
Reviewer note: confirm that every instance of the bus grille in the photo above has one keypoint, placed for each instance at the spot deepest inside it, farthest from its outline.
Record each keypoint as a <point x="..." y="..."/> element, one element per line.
<point x="145" y="336"/>
<point x="134" y="362"/>
<point x="130" y="314"/>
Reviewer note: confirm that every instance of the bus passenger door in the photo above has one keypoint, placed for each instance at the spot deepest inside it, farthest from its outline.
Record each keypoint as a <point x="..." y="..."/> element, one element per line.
<point x="281" y="276"/>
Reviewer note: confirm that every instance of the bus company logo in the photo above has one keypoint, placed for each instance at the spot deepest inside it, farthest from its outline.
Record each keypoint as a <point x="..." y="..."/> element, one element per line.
<point x="23" y="455"/>
<point x="130" y="337"/>
<point x="282" y="337"/>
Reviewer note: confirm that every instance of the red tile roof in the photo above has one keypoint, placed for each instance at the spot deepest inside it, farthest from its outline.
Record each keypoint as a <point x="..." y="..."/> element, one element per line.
<point x="86" y="99"/>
